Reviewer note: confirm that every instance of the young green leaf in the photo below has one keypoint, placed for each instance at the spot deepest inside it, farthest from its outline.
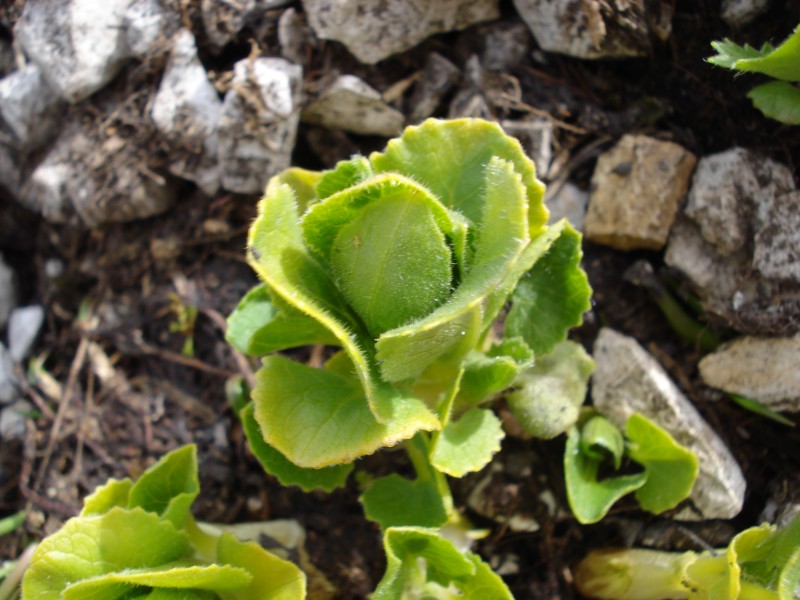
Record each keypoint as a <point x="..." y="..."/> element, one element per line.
<point x="394" y="501"/>
<point x="450" y="158"/>
<point x="260" y="325"/>
<point x="345" y="174"/>
<point x="468" y="444"/>
<point x="485" y="375"/>
<point x="555" y="286"/>
<point x="549" y="395"/>
<point x="782" y="62"/>
<point x="778" y="100"/>
<point x="115" y="492"/>
<point x="169" y="487"/>
<point x="337" y="425"/>
<point x="326" y="479"/>
<point x="671" y="469"/>
<point x="421" y="564"/>
<point x="589" y="498"/>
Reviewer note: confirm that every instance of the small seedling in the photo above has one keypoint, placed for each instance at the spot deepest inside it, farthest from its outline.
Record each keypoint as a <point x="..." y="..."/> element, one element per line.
<point x="778" y="99"/>
<point x="139" y="540"/>
<point x="403" y="263"/>
<point x="760" y="563"/>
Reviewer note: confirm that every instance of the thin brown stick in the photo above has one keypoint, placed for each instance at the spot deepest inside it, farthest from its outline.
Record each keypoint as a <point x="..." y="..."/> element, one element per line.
<point x="175" y="357"/>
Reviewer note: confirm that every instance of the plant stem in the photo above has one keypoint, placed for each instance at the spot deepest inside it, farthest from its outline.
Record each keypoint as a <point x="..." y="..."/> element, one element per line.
<point x="418" y="450"/>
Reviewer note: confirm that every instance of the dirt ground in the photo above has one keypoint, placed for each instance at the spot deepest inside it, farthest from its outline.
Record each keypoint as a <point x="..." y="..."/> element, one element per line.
<point x="114" y="392"/>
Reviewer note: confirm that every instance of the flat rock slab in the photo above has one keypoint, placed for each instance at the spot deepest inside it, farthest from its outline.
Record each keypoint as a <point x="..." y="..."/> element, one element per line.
<point x="376" y="29"/>
<point x="627" y="379"/>
<point x="763" y="369"/>
<point x="186" y="110"/>
<point x="594" y="28"/>
<point x="637" y="189"/>
<point x="258" y="125"/>
<point x="777" y="240"/>
<point x="79" y="45"/>
<point x="351" y="105"/>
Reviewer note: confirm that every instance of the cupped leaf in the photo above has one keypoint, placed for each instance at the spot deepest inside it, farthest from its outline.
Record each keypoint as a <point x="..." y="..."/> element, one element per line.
<point x="279" y="256"/>
<point x="552" y="297"/>
<point x="488" y="374"/>
<point x="549" y="394"/>
<point x="779" y="100"/>
<point x="671" y="469"/>
<point x="273" y="577"/>
<point x="326" y="479"/>
<point x="601" y="440"/>
<point x="394" y="501"/>
<point x="769" y="558"/>
<point x="468" y="444"/>
<point x="450" y="158"/>
<point x="260" y="325"/>
<point x="93" y="546"/>
<point x="176" y="576"/>
<point x="392" y="262"/>
<point x="302" y="181"/>
<point x="455" y="327"/>
<point x="114" y="492"/>
<point x="421" y="564"/>
<point x="589" y="498"/>
<point x="169" y="487"/>
<point x="318" y="417"/>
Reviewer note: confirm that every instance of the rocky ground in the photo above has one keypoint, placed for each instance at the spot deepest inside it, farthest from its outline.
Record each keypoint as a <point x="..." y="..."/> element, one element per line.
<point x="136" y="135"/>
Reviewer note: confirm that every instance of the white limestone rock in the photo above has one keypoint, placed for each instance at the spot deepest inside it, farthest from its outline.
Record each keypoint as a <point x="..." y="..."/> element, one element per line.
<point x="373" y="30"/>
<point x="149" y="24"/>
<point x="737" y="13"/>
<point x="224" y="19"/>
<point x="30" y="108"/>
<point x="13" y="419"/>
<point x="777" y="241"/>
<point x="9" y="392"/>
<point x="764" y="369"/>
<point x="637" y="189"/>
<point x="258" y="125"/>
<point x="436" y="79"/>
<point x="8" y="291"/>
<point x="536" y="136"/>
<point x="186" y="111"/>
<point x="595" y="28"/>
<point x="80" y="45"/>
<point x="567" y="201"/>
<point x="295" y="36"/>
<point x="627" y="379"/>
<point x="351" y="105"/>
<point x="24" y="325"/>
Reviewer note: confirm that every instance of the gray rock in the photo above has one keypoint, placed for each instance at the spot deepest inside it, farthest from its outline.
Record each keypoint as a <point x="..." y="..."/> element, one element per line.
<point x="8" y="291"/>
<point x="31" y="109"/>
<point x="351" y="105"/>
<point x="78" y="44"/>
<point x="536" y="136"/>
<point x="13" y="419"/>
<point x="738" y="241"/>
<point x="567" y="201"/>
<point x="23" y="328"/>
<point x="295" y="36"/>
<point x="186" y="111"/>
<point x="764" y="369"/>
<point x="10" y="170"/>
<point x="149" y="24"/>
<point x="258" y="125"/>
<point x="504" y="45"/>
<point x="777" y="240"/>
<point x="93" y="176"/>
<point x="471" y="100"/>
<point x="435" y="81"/>
<point x="637" y="189"/>
<point x="375" y="29"/>
<point x="626" y="380"/>
<point x="595" y="28"/>
<point x="9" y="391"/>
<point x="725" y="189"/>
<point x="737" y="13"/>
